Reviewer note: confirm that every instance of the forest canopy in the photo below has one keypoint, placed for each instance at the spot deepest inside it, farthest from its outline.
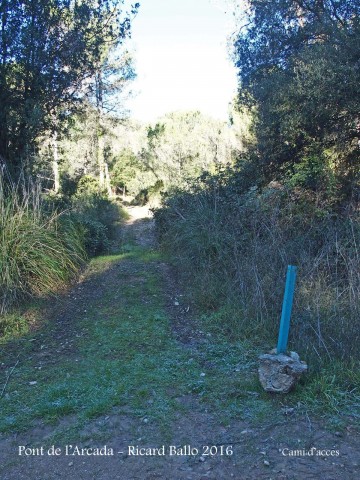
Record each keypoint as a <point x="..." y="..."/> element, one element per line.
<point x="55" y="58"/>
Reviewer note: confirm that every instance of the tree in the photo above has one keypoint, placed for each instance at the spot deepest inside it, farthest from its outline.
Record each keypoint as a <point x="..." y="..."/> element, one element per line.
<point x="185" y="144"/>
<point x="298" y="66"/>
<point x="124" y="171"/>
<point x="50" y="52"/>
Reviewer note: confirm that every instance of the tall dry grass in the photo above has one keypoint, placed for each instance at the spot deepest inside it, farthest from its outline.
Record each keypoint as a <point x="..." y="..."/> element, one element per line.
<point x="39" y="251"/>
<point x="233" y="250"/>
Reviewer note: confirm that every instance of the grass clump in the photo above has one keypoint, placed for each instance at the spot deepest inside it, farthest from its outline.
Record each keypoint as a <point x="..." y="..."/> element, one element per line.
<point x="39" y="251"/>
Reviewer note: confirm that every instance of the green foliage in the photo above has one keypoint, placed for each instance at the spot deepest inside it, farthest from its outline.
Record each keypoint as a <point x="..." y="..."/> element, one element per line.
<point x="151" y="195"/>
<point x="96" y="214"/>
<point x="39" y="252"/>
<point x="96" y="234"/>
<point x="298" y="64"/>
<point x="53" y="55"/>
<point x="124" y="170"/>
<point x="186" y="144"/>
<point x="87" y="186"/>
<point x="69" y="184"/>
<point x="313" y="173"/>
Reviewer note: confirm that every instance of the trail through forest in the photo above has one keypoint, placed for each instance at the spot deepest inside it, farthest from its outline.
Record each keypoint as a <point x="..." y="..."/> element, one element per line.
<point x="122" y="361"/>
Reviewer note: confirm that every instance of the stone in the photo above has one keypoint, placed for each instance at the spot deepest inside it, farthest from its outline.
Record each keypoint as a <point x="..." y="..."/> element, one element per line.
<point x="279" y="373"/>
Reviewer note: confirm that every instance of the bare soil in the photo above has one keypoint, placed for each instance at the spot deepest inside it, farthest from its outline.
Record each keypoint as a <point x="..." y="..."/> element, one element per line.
<point x="275" y="450"/>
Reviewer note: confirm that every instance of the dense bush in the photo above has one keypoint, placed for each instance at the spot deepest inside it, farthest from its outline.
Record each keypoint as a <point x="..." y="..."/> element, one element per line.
<point x="92" y="211"/>
<point x="98" y="217"/>
<point x="40" y="251"/>
<point x="233" y="249"/>
<point x="150" y="195"/>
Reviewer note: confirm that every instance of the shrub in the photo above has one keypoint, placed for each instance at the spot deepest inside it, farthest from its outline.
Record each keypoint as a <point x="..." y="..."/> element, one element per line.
<point x="98" y="217"/>
<point x="151" y="194"/>
<point x="88" y="186"/>
<point x="96" y="235"/>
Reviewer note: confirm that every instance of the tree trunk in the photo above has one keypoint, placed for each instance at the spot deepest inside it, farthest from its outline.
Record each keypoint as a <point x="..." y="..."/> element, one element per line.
<point x="55" y="162"/>
<point x="107" y="179"/>
<point x="99" y="130"/>
<point x="100" y="159"/>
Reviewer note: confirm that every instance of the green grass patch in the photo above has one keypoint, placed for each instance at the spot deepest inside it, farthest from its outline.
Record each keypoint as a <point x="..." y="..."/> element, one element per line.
<point x="124" y="355"/>
<point x="13" y="325"/>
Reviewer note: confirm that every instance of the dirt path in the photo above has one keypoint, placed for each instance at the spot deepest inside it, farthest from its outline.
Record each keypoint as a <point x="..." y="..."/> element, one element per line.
<point x="186" y="437"/>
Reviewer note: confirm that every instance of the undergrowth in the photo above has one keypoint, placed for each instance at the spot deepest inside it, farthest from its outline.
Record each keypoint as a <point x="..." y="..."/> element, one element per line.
<point x="232" y="248"/>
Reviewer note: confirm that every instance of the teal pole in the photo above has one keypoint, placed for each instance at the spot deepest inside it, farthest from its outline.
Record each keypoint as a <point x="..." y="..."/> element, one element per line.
<point x="286" y="309"/>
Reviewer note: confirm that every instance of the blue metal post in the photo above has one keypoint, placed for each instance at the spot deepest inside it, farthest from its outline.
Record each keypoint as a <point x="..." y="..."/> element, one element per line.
<point x="286" y="309"/>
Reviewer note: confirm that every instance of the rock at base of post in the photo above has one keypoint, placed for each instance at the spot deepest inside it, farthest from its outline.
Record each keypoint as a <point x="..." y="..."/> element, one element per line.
<point x="279" y="373"/>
